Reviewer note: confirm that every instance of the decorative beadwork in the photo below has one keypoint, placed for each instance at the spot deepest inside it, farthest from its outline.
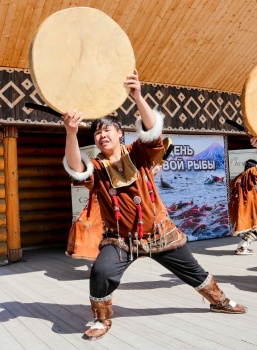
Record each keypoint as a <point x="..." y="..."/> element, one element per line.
<point x="137" y="200"/>
<point x="204" y="283"/>
<point x="101" y="299"/>
<point x="112" y="192"/>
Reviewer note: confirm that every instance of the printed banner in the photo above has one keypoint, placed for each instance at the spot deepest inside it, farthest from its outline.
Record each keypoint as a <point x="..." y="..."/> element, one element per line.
<point x="237" y="159"/>
<point x="192" y="185"/>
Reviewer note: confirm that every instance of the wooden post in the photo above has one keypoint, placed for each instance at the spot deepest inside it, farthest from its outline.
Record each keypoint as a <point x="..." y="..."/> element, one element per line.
<point x="14" y="252"/>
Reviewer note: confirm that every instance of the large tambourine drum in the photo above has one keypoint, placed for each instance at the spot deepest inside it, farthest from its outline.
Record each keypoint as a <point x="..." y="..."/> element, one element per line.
<point x="249" y="102"/>
<point x="79" y="59"/>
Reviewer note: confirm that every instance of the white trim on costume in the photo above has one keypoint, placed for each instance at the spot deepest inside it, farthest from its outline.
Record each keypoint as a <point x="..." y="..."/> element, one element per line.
<point x="76" y="175"/>
<point x="155" y="132"/>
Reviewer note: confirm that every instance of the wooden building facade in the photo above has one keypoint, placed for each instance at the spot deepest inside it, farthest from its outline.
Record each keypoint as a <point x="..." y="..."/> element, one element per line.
<point x="35" y="196"/>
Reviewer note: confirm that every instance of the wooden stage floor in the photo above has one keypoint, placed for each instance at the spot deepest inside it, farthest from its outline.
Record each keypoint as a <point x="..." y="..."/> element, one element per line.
<point x="44" y="303"/>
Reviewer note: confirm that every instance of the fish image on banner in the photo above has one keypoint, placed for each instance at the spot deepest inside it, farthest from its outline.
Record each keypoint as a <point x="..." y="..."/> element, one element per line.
<point x="193" y="185"/>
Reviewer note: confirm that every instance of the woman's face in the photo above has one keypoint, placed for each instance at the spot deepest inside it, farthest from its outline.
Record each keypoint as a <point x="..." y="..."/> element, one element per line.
<point x="107" y="138"/>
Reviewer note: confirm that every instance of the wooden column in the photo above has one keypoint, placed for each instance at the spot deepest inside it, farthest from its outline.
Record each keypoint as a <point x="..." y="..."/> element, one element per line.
<point x="14" y="252"/>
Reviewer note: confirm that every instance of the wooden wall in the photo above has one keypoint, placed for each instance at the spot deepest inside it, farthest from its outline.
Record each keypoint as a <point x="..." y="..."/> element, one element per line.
<point x="44" y="190"/>
<point x="201" y="43"/>
<point x="3" y="233"/>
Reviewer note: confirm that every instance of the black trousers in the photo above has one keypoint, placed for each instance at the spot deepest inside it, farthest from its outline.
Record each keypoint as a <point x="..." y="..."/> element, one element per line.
<point x="108" y="269"/>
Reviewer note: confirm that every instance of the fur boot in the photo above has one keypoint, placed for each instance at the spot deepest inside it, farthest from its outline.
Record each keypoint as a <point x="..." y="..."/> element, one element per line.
<point x="243" y="247"/>
<point x="219" y="303"/>
<point x="102" y="310"/>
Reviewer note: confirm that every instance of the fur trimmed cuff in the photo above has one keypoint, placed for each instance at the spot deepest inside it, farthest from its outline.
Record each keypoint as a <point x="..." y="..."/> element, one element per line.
<point x="155" y="132"/>
<point x="76" y="175"/>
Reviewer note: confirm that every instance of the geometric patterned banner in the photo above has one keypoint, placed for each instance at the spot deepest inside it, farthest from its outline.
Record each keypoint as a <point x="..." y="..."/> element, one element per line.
<point x="190" y="109"/>
<point x="186" y="109"/>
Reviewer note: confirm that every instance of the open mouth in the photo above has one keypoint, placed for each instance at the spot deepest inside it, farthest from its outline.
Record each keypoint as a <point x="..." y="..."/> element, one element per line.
<point x="105" y="142"/>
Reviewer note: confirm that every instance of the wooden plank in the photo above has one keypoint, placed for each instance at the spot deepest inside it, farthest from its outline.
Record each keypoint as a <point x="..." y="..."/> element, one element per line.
<point x="31" y="328"/>
<point x="24" y="23"/>
<point x="4" y="9"/>
<point x="3" y="233"/>
<point x="175" y="42"/>
<point x="183" y="24"/>
<point x="138" y="24"/>
<point x="11" y="189"/>
<point x="34" y="215"/>
<point x="3" y="248"/>
<point x="1" y="177"/>
<point x="62" y="317"/>
<point x="222" y="54"/>
<point x="125" y="13"/>
<point x="41" y="140"/>
<point x="2" y="191"/>
<point x="153" y="306"/>
<point x="43" y="226"/>
<point x="50" y="193"/>
<point x="46" y="10"/>
<point x="1" y="163"/>
<point x="41" y="171"/>
<point x="16" y="24"/>
<point x="28" y="182"/>
<point x="197" y="24"/>
<point x="110" y="7"/>
<point x="169" y="31"/>
<point x="2" y="206"/>
<point x="45" y="239"/>
<point x="35" y="160"/>
<point x="34" y="9"/>
<point x="42" y="151"/>
<point x="8" y="341"/>
<point x="5" y="19"/>
<point x="41" y="204"/>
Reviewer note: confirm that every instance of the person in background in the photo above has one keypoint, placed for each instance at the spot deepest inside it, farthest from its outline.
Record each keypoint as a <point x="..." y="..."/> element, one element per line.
<point x="243" y="207"/>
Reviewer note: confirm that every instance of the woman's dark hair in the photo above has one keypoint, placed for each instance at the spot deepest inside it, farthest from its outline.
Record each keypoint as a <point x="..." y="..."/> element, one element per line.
<point x="98" y="123"/>
<point x="250" y="163"/>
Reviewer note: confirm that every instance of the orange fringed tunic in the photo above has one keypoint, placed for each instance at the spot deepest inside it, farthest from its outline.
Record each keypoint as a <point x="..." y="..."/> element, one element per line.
<point x="243" y="201"/>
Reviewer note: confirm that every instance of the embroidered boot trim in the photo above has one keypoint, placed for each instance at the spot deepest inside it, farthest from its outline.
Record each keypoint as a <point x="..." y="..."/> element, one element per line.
<point x="101" y="299"/>
<point x="207" y="279"/>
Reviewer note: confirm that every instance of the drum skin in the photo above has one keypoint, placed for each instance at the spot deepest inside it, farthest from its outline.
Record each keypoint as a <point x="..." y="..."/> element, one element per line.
<point x="249" y="102"/>
<point x="79" y="59"/>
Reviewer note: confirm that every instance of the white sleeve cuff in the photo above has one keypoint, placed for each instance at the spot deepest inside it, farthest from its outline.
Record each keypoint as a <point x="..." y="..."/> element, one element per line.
<point x="155" y="132"/>
<point x="76" y="175"/>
